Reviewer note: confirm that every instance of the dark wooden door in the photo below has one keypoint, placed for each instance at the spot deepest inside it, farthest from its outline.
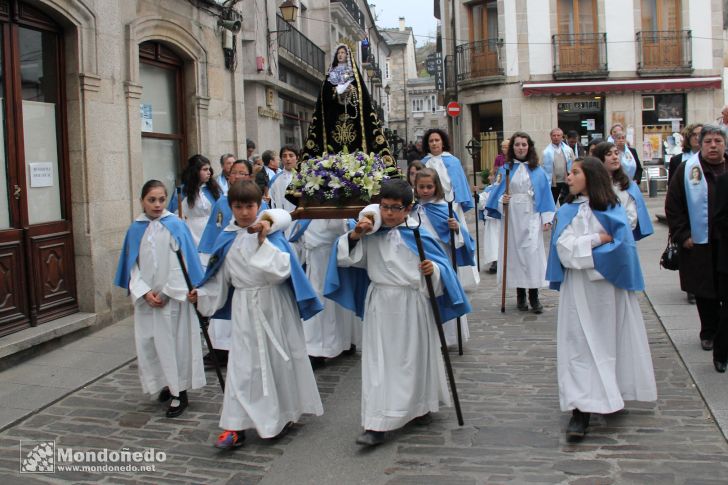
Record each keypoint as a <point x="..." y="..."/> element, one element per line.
<point x="37" y="269"/>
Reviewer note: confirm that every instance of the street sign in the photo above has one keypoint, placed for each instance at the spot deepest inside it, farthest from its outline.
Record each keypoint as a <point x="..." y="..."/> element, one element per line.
<point x="453" y="109"/>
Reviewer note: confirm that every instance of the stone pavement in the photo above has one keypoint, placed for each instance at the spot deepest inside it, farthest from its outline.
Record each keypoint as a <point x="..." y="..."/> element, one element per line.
<point x="513" y="429"/>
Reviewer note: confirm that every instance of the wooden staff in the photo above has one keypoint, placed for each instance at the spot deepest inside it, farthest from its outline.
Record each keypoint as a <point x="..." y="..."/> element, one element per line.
<point x="453" y="258"/>
<point x="178" y="189"/>
<point x="438" y="323"/>
<point x="504" y="263"/>
<point x="204" y="322"/>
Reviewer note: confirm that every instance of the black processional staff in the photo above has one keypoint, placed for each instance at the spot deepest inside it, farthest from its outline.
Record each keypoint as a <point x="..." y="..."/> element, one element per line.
<point x="477" y="231"/>
<point x="453" y="258"/>
<point x="204" y="322"/>
<point x="504" y="269"/>
<point x="438" y="323"/>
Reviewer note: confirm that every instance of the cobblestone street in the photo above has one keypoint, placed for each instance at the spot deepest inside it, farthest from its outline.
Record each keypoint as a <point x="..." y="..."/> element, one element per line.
<point x="513" y="429"/>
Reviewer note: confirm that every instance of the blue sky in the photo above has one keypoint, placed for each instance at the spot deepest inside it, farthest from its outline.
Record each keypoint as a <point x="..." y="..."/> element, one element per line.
<point x="417" y="14"/>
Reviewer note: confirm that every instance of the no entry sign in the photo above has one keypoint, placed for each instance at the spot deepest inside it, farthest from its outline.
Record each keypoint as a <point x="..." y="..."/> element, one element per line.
<point x="453" y="109"/>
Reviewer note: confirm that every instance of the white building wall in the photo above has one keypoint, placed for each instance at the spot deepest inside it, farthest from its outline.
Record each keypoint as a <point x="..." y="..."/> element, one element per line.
<point x="700" y="25"/>
<point x="510" y="37"/>
<point x="539" y="37"/>
<point x="620" y="28"/>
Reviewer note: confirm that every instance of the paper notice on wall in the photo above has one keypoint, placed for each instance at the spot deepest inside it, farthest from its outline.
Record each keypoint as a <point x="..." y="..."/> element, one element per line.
<point x="591" y="124"/>
<point x="41" y="174"/>
<point x="145" y="111"/>
<point x="675" y="126"/>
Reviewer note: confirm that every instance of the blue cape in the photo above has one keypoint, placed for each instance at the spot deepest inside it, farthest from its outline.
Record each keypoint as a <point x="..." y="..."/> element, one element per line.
<point x="130" y="249"/>
<point x="457" y="178"/>
<point x="617" y="261"/>
<point x="348" y="286"/>
<point x="172" y="206"/>
<point x="544" y="200"/>
<point x="487" y="190"/>
<point x="548" y="159"/>
<point x="644" y="223"/>
<point x="439" y="214"/>
<point x="306" y="299"/>
<point x="220" y="217"/>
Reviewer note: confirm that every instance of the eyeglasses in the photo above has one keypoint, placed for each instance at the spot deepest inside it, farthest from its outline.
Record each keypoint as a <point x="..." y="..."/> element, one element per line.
<point x="392" y="208"/>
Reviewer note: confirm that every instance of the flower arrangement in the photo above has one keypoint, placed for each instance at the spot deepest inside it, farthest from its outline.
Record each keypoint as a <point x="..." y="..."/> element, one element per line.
<point x="340" y="178"/>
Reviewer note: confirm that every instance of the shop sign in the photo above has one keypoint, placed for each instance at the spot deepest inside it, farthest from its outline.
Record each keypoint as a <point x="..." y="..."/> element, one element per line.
<point x="586" y="106"/>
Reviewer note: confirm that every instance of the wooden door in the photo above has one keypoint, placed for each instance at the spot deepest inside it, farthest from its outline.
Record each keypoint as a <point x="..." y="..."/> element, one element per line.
<point x="37" y="269"/>
<point x="483" y="20"/>
<point x="578" y="41"/>
<point x="661" y="42"/>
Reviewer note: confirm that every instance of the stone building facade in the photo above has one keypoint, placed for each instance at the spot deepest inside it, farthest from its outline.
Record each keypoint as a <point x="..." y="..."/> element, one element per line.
<point x="400" y="68"/>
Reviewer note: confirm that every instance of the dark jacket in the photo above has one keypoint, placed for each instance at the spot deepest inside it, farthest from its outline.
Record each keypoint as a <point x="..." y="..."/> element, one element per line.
<point x="638" y="170"/>
<point x="697" y="265"/>
<point x="720" y="221"/>
<point x="675" y="162"/>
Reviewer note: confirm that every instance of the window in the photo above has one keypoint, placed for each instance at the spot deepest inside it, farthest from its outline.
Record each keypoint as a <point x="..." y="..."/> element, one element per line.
<point x="661" y="15"/>
<point x="577" y="16"/>
<point x="418" y="105"/>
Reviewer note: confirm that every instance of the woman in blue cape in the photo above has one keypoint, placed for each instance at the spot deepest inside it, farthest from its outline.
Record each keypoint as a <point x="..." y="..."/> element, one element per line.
<point x="603" y="356"/>
<point x="449" y="168"/>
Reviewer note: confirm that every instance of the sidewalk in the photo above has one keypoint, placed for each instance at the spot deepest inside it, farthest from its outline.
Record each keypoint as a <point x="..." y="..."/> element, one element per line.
<point x="680" y="319"/>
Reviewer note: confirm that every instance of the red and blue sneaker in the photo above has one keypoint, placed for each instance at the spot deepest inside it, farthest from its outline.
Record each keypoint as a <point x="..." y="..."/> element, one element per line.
<point x="230" y="439"/>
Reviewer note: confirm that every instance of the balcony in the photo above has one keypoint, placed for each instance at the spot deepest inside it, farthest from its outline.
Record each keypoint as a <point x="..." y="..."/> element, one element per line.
<point x="300" y="46"/>
<point x="664" y="52"/>
<point x="579" y="56"/>
<point x="353" y="9"/>
<point x="479" y="61"/>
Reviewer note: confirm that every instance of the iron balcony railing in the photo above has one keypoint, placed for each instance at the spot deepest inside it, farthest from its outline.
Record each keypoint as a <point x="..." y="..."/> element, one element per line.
<point x="479" y="59"/>
<point x="659" y="50"/>
<point x="580" y="55"/>
<point x="300" y="46"/>
<point x="353" y="9"/>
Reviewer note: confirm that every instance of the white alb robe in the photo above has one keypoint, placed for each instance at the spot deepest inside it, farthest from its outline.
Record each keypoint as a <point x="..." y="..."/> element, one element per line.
<point x="526" y="252"/>
<point x="269" y="379"/>
<point x="403" y="375"/>
<point x="196" y="217"/>
<point x="169" y="351"/>
<point x="491" y="233"/>
<point x="334" y="329"/>
<point x="603" y="356"/>
<point x="628" y="204"/>
<point x="277" y="193"/>
<point x="450" y="327"/>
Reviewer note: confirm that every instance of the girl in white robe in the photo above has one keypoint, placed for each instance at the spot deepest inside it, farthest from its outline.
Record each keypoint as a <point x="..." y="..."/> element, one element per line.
<point x="269" y="382"/>
<point x="428" y="190"/>
<point x="491" y="230"/>
<point x="166" y="327"/>
<point x="335" y="329"/>
<point x="603" y="356"/>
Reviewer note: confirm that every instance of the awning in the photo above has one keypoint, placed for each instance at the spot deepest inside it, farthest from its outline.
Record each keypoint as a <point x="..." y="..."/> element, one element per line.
<point x="621" y="86"/>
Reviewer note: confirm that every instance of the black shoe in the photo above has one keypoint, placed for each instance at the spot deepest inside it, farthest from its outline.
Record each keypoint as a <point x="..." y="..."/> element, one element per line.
<point x="493" y="268"/>
<point x="423" y="420"/>
<point x="317" y="362"/>
<point x="706" y="343"/>
<point x="164" y="395"/>
<point x="178" y="405"/>
<point x="578" y="423"/>
<point x="691" y="298"/>
<point x="222" y="358"/>
<point x="351" y="351"/>
<point x="284" y="431"/>
<point x="536" y="306"/>
<point x="370" y="438"/>
<point x="521" y="299"/>
<point x="719" y="366"/>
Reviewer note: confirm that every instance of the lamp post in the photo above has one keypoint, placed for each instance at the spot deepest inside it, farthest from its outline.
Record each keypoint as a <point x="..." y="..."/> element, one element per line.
<point x="473" y="148"/>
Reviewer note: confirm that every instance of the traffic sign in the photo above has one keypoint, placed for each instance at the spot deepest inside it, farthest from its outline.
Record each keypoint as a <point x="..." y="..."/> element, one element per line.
<point x="453" y="109"/>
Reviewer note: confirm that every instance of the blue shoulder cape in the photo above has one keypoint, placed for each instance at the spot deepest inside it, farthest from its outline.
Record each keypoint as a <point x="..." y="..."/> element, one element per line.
<point x="130" y="249"/>
<point x="348" y="286"/>
<point x="644" y="223"/>
<point x="439" y="214"/>
<point x="306" y="299"/>
<point x="220" y="217"/>
<point x="457" y="178"/>
<point x="487" y="190"/>
<point x="617" y="261"/>
<point x="544" y="200"/>
<point x="172" y="206"/>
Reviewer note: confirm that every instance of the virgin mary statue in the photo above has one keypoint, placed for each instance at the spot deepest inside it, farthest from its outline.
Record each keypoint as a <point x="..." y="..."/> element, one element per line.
<point x="344" y="118"/>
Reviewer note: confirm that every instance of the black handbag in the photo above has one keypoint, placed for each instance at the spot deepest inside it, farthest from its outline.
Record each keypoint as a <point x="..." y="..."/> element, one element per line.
<point x="670" y="258"/>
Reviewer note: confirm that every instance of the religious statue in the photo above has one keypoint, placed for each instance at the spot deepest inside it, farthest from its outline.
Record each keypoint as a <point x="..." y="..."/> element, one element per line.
<point x="344" y="119"/>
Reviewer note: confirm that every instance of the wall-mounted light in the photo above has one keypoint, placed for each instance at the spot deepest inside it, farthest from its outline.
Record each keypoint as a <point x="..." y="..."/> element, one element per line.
<point x="289" y="12"/>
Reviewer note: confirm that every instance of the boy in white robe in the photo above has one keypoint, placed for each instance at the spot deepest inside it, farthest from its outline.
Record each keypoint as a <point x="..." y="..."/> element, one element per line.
<point x="270" y="383"/>
<point x="403" y="376"/>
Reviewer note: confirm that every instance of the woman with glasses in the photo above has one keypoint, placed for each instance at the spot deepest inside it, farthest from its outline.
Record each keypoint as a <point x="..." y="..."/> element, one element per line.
<point x="690" y="146"/>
